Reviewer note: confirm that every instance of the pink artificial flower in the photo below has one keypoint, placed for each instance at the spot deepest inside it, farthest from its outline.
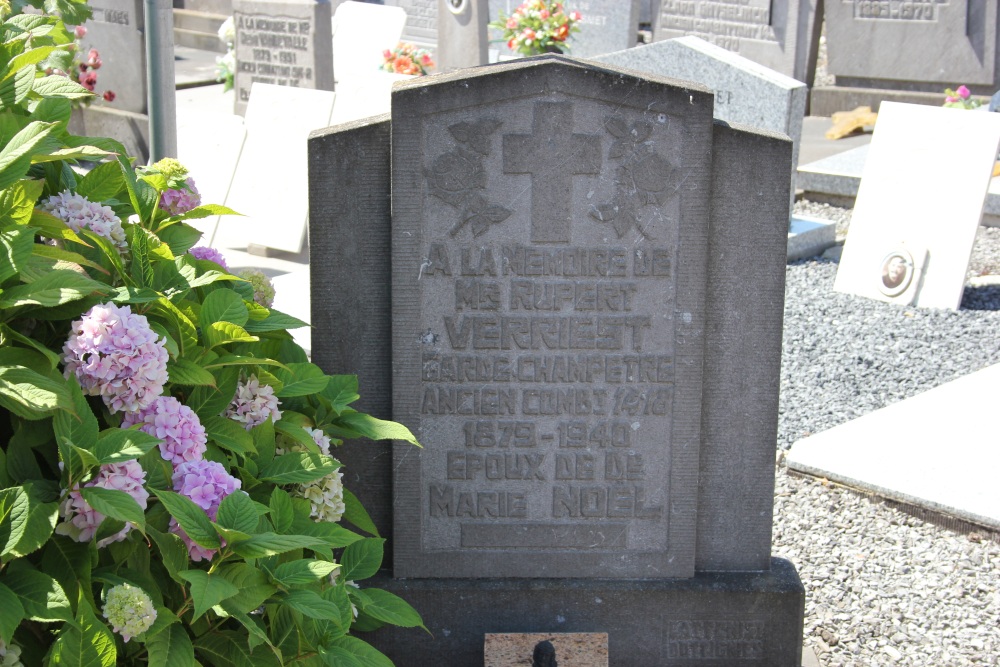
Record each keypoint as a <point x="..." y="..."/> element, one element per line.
<point x="528" y="35"/>
<point x="544" y="14"/>
<point x="951" y="100"/>
<point x="963" y="92"/>
<point x="80" y="32"/>
<point x="512" y="23"/>
<point x="575" y="16"/>
<point x="93" y="59"/>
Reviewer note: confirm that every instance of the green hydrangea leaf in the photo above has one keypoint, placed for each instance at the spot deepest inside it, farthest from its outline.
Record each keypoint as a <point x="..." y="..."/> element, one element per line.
<point x="207" y="590"/>
<point x="362" y="559"/>
<point x="298" y="468"/>
<point x="305" y="571"/>
<point x="115" y="504"/>
<point x="116" y="445"/>
<point x="191" y="518"/>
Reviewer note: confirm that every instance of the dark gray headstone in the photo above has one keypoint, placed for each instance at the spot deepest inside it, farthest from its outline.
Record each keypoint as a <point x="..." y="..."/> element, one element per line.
<point x="605" y="26"/>
<point x="775" y="33"/>
<point x="462" y="31"/>
<point x="547" y="318"/>
<point x="925" y="45"/>
<point x="283" y="43"/>
<point x="587" y="279"/>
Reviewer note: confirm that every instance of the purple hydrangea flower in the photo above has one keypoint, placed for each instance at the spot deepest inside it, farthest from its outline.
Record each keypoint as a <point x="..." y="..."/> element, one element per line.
<point x="253" y="403"/>
<point x="178" y="201"/>
<point x="211" y="254"/>
<point x="115" y="355"/>
<point x="206" y="483"/>
<point x="176" y="424"/>
<point x="81" y="520"/>
<point x="78" y="213"/>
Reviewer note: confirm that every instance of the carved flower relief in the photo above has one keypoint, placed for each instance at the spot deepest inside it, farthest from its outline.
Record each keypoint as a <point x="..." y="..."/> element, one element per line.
<point x="459" y="178"/>
<point x="643" y="177"/>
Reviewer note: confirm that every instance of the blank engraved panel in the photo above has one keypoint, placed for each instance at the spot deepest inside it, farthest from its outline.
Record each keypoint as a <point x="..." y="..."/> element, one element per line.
<point x="549" y="240"/>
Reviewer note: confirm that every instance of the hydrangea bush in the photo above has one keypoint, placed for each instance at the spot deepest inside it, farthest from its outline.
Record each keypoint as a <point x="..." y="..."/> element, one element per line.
<point x="169" y="492"/>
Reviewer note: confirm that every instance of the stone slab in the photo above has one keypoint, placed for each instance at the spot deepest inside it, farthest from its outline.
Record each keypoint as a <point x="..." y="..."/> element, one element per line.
<point x="580" y="649"/>
<point x="282" y="43"/>
<point x="606" y="26"/>
<point x="209" y="145"/>
<point x="751" y="619"/>
<point x="361" y="32"/>
<point x="915" y="45"/>
<point x="463" y="39"/>
<point x="780" y="34"/>
<point x="116" y="31"/>
<point x="364" y="97"/>
<point x="131" y="129"/>
<point x="935" y="451"/>
<point x="497" y="140"/>
<point x="929" y="218"/>
<point x="421" y="21"/>
<point x="278" y="121"/>
<point x="808" y="237"/>
<point x="745" y="92"/>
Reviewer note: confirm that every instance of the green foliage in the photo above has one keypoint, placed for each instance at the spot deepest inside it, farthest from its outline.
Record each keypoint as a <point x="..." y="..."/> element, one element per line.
<point x="270" y="583"/>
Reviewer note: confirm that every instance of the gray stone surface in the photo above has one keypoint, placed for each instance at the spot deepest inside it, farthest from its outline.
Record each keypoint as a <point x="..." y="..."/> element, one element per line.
<point x="421" y="21"/>
<point x="116" y="31"/>
<point x="918" y="45"/>
<point x="283" y="43"/>
<point x="463" y="35"/>
<point x="745" y="92"/>
<point x="810" y="237"/>
<point x="746" y="246"/>
<point x="518" y="247"/>
<point x="751" y="619"/>
<point x="781" y="34"/>
<point x="131" y="129"/>
<point x="605" y="26"/>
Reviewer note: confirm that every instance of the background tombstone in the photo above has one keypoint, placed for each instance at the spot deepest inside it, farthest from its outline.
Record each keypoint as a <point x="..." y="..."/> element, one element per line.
<point x="463" y="34"/>
<point x="919" y="205"/>
<point x="907" y="52"/>
<point x="745" y="92"/>
<point x="361" y="32"/>
<point x="606" y="26"/>
<point x="780" y="34"/>
<point x="421" y="22"/>
<point x="570" y="351"/>
<point x="117" y="30"/>
<point x="282" y="43"/>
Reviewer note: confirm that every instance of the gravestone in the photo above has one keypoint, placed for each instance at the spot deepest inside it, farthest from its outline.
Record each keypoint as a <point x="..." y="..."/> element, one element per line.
<point x="907" y="51"/>
<point x="421" y="22"/>
<point x="745" y="92"/>
<point x="269" y="185"/>
<point x="361" y="32"/>
<point x="282" y="43"/>
<point x="586" y="281"/>
<point x="117" y="30"/>
<point x="919" y="205"/>
<point x="780" y="34"/>
<point x="463" y="34"/>
<point x="605" y="26"/>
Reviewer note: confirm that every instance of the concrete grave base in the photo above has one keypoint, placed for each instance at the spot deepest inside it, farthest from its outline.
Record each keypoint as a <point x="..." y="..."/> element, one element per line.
<point x="808" y="237"/>
<point x="131" y="129"/>
<point x="745" y="618"/>
<point x="828" y="100"/>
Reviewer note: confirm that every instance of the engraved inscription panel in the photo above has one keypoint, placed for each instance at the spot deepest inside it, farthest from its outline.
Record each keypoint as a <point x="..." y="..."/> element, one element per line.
<point x="273" y="49"/>
<point x="897" y="10"/>
<point x="715" y="641"/>
<point x="547" y="344"/>
<point x="722" y="22"/>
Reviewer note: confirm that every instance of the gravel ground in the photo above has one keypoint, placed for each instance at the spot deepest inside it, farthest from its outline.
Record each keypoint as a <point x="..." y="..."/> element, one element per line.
<point x="882" y="587"/>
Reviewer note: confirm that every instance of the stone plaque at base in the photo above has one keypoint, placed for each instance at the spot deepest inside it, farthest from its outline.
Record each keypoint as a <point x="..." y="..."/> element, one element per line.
<point x="579" y="649"/>
<point x="586" y="289"/>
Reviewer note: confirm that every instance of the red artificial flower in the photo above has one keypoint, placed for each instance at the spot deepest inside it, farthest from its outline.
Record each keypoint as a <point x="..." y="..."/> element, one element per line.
<point x="109" y="96"/>
<point x="88" y="80"/>
<point x="562" y="33"/>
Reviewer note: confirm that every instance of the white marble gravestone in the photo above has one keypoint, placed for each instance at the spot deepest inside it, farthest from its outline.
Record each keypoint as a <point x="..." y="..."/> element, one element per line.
<point x="361" y="32"/>
<point x="269" y="186"/>
<point x="919" y="205"/>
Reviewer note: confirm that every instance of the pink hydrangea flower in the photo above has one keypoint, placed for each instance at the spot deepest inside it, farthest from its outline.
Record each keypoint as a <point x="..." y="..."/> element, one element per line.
<point x="175" y="424"/>
<point x="78" y="213"/>
<point x="206" y="483"/>
<point x="211" y="254"/>
<point x="117" y="356"/>
<point x="178" y="201"/>
<point x="81" y="521"/>
<point x="253" y="403"/>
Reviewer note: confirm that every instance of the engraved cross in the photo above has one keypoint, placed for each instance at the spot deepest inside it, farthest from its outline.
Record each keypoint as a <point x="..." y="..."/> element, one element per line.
<point x="552" y="155"/>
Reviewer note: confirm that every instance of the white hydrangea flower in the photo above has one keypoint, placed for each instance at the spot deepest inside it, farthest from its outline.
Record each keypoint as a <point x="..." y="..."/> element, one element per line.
<point x="10" y="656"/>
<point x="326" y="495"/>
<point x="227" y="31"/>
<point x="129" y="610"/>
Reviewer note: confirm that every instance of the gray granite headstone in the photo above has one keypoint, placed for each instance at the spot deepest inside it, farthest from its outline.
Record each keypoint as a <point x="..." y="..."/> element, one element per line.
<point x="283" y="43"/>
<point x="421" y="21"/>
<point x="745" y="92"/>
<point x="587" y="274"/>
<point x="926" y="45"/>
<point x="605" y="26"/>
<point x="776" y="33"/>
<point x="462" y="31"/>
